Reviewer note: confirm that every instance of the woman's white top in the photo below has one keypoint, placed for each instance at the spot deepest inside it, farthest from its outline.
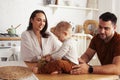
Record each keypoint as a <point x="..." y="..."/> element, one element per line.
<point x="30" y="48"/>
<point x="68" y="50"/>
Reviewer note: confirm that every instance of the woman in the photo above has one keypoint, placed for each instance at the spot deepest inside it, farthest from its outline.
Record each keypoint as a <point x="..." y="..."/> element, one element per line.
<point x="36" y="42"/>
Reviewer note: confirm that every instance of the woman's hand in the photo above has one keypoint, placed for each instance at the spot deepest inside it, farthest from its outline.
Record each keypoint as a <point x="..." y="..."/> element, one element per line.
<point x="34" y="59"/>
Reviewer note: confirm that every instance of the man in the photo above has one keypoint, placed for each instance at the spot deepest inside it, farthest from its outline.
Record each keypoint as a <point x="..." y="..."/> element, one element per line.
<point x="106" y="44"/>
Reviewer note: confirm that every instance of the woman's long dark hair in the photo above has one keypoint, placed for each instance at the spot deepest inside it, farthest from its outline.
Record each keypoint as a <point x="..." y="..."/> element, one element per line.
<point x="43" y="31"/>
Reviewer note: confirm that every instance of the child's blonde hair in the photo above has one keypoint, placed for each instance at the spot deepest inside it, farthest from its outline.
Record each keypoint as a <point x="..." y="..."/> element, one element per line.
<point x="63" y="26"/>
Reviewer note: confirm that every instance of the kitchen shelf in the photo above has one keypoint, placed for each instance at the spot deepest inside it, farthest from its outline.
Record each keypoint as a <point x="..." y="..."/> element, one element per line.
<point x="73" y="7"/>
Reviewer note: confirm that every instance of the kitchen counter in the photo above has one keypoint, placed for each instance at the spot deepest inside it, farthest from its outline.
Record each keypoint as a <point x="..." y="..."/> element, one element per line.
<point x="73" y="77"/>
<point x="9" y="38"/>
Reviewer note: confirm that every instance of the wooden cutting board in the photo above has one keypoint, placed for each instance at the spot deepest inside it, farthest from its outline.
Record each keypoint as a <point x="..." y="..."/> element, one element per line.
<point x="14" y="72"/>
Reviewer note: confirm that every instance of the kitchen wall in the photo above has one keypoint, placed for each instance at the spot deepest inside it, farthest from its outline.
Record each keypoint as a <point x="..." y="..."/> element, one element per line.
<point x="111" y="6"/>
<point x="15" y="12"/>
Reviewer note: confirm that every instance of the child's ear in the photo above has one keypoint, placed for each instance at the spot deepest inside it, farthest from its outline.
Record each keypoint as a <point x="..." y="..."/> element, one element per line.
<point x="65" y="33"/>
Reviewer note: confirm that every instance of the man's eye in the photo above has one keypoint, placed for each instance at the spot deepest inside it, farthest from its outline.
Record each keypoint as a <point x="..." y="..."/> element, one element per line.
<point x="106" y="28"/>
<point x="100" y="27"/>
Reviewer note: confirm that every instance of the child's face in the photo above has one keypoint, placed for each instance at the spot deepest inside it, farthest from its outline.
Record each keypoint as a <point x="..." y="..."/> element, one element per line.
<point x="63" y="35"/>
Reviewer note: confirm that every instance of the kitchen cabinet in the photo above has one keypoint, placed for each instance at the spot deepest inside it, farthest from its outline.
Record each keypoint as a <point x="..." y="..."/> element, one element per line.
<point x="9" y="42"/>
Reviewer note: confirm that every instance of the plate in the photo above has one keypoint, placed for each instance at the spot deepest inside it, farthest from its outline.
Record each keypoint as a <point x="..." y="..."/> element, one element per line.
<point x="14" y="72"/>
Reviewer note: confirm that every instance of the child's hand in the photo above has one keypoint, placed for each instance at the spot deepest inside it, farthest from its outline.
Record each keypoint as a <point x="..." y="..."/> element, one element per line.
<point x="35" y="70"/>
<point x="48" y="58"/>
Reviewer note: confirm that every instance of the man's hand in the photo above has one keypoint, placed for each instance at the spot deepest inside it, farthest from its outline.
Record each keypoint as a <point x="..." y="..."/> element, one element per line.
<point x="81" y="68"/>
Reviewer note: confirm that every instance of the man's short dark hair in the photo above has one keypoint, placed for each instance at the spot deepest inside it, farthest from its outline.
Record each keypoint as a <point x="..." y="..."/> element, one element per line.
<point x="107" y="16"/>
